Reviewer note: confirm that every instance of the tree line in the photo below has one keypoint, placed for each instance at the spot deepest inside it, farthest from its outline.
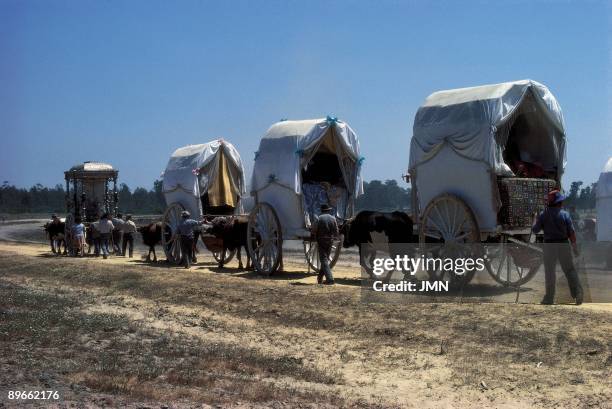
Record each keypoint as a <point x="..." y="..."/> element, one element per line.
<point x="582" y="197"/>
<point x="41" y="199"/>
<point x="378" y="195"/>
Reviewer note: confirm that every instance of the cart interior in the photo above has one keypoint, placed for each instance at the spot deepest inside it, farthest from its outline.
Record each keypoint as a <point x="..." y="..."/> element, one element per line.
<point x="223" y="195"/>
<point x="531" y="155"/>
<point x="323" y="181"/>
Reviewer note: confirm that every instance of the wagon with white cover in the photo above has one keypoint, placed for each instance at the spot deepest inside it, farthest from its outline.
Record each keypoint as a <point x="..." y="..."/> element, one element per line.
<point x="299" y="166"/>
<point x="206" y="180"/>
<point x="482" y="160"/>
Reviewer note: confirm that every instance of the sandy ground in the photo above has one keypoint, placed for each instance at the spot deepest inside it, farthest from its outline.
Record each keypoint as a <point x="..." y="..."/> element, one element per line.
<point x="120" y="332"/>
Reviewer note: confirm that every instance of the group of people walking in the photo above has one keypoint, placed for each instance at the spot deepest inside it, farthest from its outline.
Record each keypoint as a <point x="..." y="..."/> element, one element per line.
<point x="556" y="224"/>
<point x="108" y="231"/>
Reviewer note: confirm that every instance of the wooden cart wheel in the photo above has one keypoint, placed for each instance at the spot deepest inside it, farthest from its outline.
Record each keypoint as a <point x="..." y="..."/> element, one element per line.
<point x="264" y="239"/>
<point x="171" y="239"/>
<point x="311" y="251"/>
<point x="228" y="255"/>
<point x="68" y="236"/>
<point x="448" y="229"/>
<point x="511" y="264"/>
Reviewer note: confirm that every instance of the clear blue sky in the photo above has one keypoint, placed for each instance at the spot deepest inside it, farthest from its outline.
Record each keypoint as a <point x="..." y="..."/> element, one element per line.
<point x="127" y="82"/>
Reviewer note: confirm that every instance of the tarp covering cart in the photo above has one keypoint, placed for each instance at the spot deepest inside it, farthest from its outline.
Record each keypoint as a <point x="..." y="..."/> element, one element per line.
<point x="205" y="179"/>
<point x="604" y="203"/>
<point x="299" y="166"/>
<point x="482" y="160"/>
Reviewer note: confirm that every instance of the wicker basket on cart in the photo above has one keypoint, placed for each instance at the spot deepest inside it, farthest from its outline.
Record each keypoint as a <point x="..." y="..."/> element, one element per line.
<point x="521" y="198"/>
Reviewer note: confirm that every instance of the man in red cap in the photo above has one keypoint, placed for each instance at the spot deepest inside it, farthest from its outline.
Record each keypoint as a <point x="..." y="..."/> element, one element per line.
<point x="558" y="234"/>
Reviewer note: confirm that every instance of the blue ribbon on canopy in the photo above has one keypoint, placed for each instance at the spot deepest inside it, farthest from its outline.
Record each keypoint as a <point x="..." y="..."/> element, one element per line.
<point x="331" y="120"/>
<point x="282" y="120"/>
<point x="360" y="161"/>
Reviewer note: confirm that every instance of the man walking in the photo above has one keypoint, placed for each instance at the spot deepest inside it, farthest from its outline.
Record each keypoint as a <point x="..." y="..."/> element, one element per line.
<point x="185" y="230"/>
<point x="117" y="233"/>
<point x="129" y="230"/>
<point x="105" y="228"/>
<point x="325" y="232"/>
<point x="558" y="229"/>
<point x="95" y="237"/>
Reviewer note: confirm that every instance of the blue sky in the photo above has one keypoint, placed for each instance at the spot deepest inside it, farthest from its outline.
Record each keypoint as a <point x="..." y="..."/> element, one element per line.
<point x="127" y="82"/>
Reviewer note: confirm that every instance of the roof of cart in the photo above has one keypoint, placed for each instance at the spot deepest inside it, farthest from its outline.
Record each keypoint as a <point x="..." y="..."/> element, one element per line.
<point x="286" y="128"/>
<point x="608" y="167"/>
<point x="92" y="166"/>
<point x="195" y="156"/>
<point x="491" y="103"/>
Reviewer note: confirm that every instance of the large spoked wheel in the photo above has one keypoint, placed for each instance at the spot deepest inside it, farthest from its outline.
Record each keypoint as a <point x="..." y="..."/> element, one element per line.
<point x="512" y="264"/>
<point x="171" y="239"/>
<point x="264" y="239"/>
<point x="227" y="256"/>
<point x="311" y="251"/>
<point x="449" y="230"/>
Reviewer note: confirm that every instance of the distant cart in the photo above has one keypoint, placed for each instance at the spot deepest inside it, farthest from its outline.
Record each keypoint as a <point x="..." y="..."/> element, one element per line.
<point x="299" y="166"/>
<point x="482" y="160"/>
<point x="91" y="190"/>
<point x="206" y="180"/>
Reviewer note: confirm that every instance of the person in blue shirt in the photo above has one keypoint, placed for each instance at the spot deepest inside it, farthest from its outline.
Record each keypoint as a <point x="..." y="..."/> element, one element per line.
<point x="185" y="230"/>
<point x="78" y="232"/>
<point x="558" y="234"/>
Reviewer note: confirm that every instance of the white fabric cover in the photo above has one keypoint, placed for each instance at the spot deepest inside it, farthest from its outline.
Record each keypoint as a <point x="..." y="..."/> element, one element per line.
<point x="604" y="203"/>
<point x="474" y="122"/>
<point x="191" y="169"/>
<point x="470" y="126"/>
<point x="479" y="193"/>
<point x="285" y="150"/>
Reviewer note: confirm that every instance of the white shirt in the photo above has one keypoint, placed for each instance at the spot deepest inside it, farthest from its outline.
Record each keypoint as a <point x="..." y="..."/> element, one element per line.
<point x="105" y="226"/>
<point x="129" y="227"/>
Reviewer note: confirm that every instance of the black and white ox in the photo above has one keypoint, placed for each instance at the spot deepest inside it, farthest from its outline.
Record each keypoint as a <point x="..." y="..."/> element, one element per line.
<point x="55" y="231"/>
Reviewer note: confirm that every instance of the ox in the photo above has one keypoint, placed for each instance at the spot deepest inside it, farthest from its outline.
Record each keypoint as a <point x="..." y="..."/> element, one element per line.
<point x="396" y="226"/>
<point x="233" y="232"/>
<point x="56" y="233"/>
<point x="151" y="237"/>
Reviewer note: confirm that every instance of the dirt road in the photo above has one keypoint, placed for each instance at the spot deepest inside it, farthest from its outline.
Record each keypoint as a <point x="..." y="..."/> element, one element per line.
<point x="116" y="333"/>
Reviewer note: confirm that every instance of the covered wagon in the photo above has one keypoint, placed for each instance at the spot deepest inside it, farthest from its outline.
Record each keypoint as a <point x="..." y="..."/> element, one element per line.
<point x="299" y="166"/>
<point x="604" y="203"/>
<point x="482" y="160"/>
<point x="206" y="180"/>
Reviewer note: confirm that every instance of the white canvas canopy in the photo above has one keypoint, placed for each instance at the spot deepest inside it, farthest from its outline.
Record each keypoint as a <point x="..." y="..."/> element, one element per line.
<point x="286" y="150"/>
<point x="604" y="203"/>
<point x="459" y="139"/>
<point x="475" y="122"/>
<point x="194" y="169"/>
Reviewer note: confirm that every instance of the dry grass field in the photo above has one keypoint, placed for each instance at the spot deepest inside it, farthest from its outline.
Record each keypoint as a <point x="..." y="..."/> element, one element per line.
<point x="118" y="333"/>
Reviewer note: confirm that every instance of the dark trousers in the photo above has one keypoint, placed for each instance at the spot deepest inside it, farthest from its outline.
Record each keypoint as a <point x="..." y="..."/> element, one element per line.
<point x="104" y="241"/>
<point x="562" y="252"/>
<point x="97" y="245"/>
<point x="325" y="247"/>
<point x="187" y="250"/>
<point x="128" y="239"/>
<point x="117" y="241"/>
